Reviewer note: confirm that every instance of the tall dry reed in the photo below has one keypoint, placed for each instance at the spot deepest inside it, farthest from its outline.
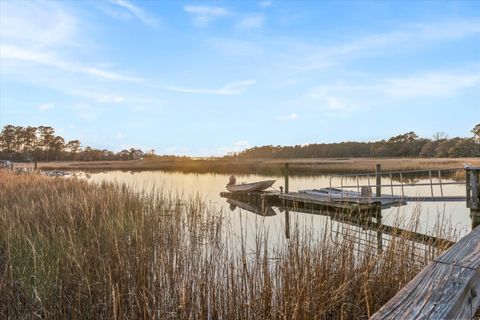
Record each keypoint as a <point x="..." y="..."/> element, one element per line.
<point x="75" y="250"/>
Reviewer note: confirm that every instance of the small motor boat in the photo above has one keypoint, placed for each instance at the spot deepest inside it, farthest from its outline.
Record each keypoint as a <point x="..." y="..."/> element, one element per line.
<point x="250" y="187"/>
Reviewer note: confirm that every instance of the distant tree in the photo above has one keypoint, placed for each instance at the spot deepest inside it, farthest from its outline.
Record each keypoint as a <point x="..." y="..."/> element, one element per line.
<point x="7" y="138"/>
<point x="406" y="137"/>
<point x="476" y="132"/>
<point x="440" y="135"/>
<point x="57" y="145"/>
<point x="47" y="134"/>
<point x="30" y="141"/>
<point x="429" y="149"/>
<point x="73" y="146"/>
<point x="464" y="148"/>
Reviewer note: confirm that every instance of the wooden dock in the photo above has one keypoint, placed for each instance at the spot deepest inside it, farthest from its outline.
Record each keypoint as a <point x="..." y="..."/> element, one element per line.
<point x="298" y="200"/>
<point x="448" y="288"/>
<point x="342" y="202"/>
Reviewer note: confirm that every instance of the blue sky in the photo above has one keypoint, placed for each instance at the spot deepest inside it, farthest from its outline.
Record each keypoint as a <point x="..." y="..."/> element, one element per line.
<point x="207" y="78"/>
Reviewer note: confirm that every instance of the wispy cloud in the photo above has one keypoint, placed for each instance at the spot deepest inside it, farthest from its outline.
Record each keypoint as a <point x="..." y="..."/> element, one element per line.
<point x="49" y="58"/>
<point x="39" y="24"/>
<point x="229" y="89"/>
<point x="347" y="98"/>
<point x="250" y="22"/>
<point x="376" y="44"/>
<point x="137" y="12"/>
<point x="203" y="15"/>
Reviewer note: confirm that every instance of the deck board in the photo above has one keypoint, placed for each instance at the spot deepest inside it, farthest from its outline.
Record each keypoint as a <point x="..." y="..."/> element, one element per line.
<point x="448" y="288"/>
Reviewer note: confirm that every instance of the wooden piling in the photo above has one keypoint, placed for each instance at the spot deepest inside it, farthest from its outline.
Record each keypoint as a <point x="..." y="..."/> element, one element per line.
<point x="473" y="194"/>
<point x="287" y="213"/>
<point x="286" y="177"/>
<point x="378" y="180"/>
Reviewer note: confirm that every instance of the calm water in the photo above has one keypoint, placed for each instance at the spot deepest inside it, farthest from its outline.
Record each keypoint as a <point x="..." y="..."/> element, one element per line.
<point x="209" y="186"/>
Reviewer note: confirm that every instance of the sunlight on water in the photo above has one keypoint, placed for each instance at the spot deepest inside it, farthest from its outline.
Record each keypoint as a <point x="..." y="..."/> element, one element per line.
<point x="209" y="186"/>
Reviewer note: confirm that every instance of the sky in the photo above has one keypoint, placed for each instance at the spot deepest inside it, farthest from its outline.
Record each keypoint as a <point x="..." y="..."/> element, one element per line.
<point x="211" y="77"/>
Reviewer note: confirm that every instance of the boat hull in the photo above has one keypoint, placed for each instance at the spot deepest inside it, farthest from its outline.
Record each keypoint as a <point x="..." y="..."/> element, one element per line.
<point x="251" y="187"/>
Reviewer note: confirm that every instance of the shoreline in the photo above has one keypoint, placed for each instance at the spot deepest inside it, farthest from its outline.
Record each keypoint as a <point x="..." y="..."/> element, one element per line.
<point x="270" y="167"/>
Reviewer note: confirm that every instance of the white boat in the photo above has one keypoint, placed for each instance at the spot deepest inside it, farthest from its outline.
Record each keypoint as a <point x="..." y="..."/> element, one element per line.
<point x="250" y="187"/>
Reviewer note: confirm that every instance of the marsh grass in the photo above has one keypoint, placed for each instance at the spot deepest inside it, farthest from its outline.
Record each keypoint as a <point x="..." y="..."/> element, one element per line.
<point x="70" y="249"/>
<point x="271" y="167"/>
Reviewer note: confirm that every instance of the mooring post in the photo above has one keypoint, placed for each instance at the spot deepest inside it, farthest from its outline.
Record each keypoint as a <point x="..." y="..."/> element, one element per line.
<point x="473" y="194"/>
<point x="287" y="223"/>
<point x="286" y="177"/>
<point x="378" y="180"/>
<point x="287" y="214"/>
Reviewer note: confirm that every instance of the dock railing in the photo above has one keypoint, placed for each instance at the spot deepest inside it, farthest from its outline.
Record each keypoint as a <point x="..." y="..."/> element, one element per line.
<point x="436" y="179"/>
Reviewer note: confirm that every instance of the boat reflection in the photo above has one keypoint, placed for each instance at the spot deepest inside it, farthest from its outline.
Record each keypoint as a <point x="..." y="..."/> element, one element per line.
<point x="364" y="227"/>
<point x="266" y="211"/>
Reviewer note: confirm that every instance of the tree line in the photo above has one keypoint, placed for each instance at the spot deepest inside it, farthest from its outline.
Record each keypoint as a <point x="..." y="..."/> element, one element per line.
<point x="41" y="143"/>
<point x="403" y="145"/>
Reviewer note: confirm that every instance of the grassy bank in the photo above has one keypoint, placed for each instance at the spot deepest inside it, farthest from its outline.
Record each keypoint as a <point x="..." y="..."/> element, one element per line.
<point x="74" y="250"/>
<point x="268" y="166"/>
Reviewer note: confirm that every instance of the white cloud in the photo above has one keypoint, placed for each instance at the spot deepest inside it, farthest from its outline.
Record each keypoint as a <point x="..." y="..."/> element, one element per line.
<point x="39" y="24"/>
<point x="229" y="89"/>
<point x="136" y="12"/>
<point x="289" y="117"/>
<point x="343" y="99"/>
<point x="41" y="33"/>
<point x="49" y="58"/>
<point x="120" y="136"/>
<point x="317" y="57"/>
<point x="250" y="22"/>
<point x="203" y="15"/>
<point x="46" y="106"/>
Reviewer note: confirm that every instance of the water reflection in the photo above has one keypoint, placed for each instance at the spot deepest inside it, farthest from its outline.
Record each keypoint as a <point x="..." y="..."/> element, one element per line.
<point x="266" y="211"/>
<point x="209" y="186"/>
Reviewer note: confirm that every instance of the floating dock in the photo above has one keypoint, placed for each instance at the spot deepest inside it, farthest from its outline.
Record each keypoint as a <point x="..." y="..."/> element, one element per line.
<point x="314" y="201"/>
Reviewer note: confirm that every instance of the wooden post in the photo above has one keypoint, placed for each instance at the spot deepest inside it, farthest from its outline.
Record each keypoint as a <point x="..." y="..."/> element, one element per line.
<point x="287" y="213"/>
<point x="475" y="217"/>
<point x="473" y="194"/>
<point x="378" y="180"/>
<point x="286" y="177"/>
<point x="287" y="223"/>
<point x="379" y="232"/>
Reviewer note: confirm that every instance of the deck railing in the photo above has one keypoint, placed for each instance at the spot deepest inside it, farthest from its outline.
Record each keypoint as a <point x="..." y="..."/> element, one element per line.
<point x="435" y="178"/>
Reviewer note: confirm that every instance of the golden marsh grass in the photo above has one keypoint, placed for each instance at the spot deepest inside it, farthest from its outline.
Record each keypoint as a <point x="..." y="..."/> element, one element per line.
<point x="70" y="249"/>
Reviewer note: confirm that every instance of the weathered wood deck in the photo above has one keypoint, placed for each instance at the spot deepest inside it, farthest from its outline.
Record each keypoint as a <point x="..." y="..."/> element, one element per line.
<point x="351" y="202"/>
<point x="448" y="288"/>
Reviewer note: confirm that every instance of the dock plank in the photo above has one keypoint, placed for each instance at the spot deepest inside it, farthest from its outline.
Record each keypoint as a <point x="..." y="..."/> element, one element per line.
<point x="448" y="288"/>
